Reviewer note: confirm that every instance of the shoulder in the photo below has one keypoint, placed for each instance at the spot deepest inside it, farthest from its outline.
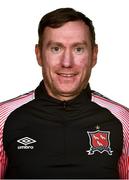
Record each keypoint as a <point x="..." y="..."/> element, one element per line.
<point x="119" y="111"/>
<point x="116" y="108"/>
<point x="19" y="99"/>
<point x="9" y="106"/>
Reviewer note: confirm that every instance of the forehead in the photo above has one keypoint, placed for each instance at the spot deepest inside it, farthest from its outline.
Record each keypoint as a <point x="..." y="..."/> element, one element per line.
<point x="73" y="30"/>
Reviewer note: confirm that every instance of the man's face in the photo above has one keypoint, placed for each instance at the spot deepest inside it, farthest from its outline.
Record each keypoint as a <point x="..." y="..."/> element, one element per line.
<point x="67" y="58"/>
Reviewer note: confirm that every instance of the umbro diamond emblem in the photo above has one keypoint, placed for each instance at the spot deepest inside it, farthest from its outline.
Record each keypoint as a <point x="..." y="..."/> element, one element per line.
<point x="26" y="141"/>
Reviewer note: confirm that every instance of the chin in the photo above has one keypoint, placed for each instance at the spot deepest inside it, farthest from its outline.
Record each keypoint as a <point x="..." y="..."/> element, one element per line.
<point x="68" y="91"/>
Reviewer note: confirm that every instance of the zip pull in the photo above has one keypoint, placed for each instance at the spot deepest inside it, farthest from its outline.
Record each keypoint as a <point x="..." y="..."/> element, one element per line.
<point x="66" y="106"/>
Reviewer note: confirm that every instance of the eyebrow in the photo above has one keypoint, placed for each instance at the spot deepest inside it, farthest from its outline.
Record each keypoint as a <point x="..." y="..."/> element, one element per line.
<point x="61" y="44"/>
<point x="54" y="43"/>
<point x="83" y="43"/>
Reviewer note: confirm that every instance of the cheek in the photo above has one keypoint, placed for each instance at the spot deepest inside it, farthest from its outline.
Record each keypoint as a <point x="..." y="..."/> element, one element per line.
<point x="83" y="63"/>
<point x="46" y="61"/>
<point x="85" y="66"/>
<point x="49" y="60"/>
<point x="49" y="67"/>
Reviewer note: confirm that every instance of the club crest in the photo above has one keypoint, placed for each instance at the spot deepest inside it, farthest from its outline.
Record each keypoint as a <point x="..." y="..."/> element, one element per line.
<point x="99" y="141"/>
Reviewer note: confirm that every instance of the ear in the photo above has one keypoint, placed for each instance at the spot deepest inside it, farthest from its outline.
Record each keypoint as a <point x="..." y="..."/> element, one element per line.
<point x="94" y="55"/>
<point x="38" y="54"/>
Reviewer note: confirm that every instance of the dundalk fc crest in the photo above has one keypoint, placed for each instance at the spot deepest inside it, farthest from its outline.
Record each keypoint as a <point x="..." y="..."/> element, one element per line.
<point x="99" y="141"/>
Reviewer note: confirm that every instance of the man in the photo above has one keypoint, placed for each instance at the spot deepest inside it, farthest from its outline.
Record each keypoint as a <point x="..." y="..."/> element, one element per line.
<point x="63" y="129"/>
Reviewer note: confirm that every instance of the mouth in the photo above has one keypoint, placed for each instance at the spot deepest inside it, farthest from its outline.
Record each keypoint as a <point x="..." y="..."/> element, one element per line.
<point x="67" y="75"/>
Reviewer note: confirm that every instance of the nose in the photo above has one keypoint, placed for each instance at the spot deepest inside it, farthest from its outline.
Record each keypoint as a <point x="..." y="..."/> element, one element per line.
<point x="67" y="59"/>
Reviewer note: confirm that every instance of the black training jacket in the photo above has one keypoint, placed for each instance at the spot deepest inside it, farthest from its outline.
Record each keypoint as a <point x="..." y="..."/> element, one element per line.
<point x="49" y="138"/>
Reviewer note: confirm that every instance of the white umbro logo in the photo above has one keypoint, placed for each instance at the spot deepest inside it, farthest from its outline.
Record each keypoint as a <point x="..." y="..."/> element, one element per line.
<point x="26" y="141"/>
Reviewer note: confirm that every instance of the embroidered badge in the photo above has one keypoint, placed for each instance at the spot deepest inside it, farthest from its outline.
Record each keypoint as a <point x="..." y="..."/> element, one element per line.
<point x="99" y="141"/>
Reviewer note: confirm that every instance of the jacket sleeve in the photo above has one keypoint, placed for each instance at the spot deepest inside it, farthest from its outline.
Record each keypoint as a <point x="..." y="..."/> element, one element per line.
<point x="122" y="113"/>
<point x="124" y="159"/>
<point x="3" y="158"/>
<point x="5" y="109"/>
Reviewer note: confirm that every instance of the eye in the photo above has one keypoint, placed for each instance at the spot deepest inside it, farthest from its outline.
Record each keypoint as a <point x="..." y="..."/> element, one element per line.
<point x="79" y="50"/>
<point x="55" y="49"/>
